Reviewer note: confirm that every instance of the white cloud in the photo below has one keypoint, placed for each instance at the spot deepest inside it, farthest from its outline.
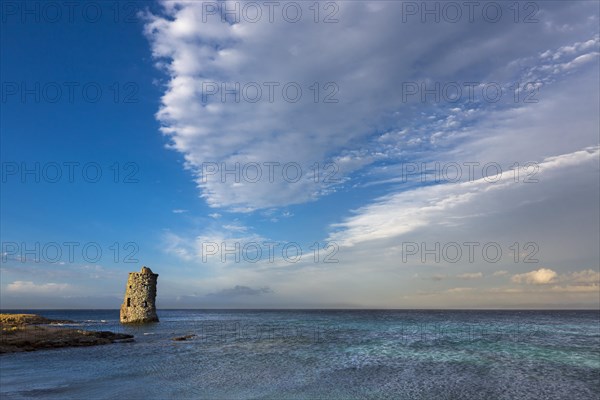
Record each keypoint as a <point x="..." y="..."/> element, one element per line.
<point x="179" y="211"/>
<point x="216" y="247"/>
<point x="235" y="228"/>
<point x="576" y="289"/>
<point x="541" y="276"/>
<point x="360" y="54"/>
<point x="178" y="246"/>
<point x="445" y="204"/>
<point x="28" y="287"/>
<point x="460" y="290"/>
<point x="582" y="282"/>
<point x="470" y="275"/>
<point x="586" y="276"/>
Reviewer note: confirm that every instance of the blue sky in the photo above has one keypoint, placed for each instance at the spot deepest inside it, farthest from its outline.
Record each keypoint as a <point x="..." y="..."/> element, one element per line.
<point x="160" y="133"/>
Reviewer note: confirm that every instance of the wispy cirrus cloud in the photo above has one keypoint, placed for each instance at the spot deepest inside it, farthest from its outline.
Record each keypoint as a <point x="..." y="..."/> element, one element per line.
<point x="361" y="56"/>
<point x="406" y="211"/>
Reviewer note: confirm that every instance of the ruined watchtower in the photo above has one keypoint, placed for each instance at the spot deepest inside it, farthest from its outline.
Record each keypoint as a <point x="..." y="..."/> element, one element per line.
<point x="139" y="303"/>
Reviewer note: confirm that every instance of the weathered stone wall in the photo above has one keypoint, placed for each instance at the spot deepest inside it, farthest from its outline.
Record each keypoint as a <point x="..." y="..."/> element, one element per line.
<point x="140" y="296"/>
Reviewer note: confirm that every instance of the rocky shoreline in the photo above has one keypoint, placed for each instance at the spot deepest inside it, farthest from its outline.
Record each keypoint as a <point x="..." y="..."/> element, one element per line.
<point x="30" y="332"/>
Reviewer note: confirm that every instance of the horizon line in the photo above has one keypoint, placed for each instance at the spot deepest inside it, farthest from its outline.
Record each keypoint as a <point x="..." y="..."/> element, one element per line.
<point x="310" y="309"/>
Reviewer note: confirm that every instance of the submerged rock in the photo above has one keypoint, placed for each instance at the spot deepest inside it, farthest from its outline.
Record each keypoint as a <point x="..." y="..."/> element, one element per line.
<point x="181" y="338"/>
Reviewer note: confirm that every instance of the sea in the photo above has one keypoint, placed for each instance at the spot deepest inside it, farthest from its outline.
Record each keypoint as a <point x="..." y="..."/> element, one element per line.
<point x="319" y="354"/>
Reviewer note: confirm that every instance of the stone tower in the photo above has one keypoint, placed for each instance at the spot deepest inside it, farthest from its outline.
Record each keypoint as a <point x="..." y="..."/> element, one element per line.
<point x="139" y="303"/>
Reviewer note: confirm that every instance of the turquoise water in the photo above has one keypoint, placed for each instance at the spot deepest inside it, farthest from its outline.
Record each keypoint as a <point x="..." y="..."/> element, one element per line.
<point x="321" y="354"/>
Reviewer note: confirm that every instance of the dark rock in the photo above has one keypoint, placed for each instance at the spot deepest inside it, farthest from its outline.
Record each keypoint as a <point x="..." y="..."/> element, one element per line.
<point x="22" y="333"/>
<point x="182" y="338"/>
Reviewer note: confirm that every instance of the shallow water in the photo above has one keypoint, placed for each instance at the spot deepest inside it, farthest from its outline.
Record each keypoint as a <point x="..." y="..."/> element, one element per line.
<point x="320" y="354"/>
